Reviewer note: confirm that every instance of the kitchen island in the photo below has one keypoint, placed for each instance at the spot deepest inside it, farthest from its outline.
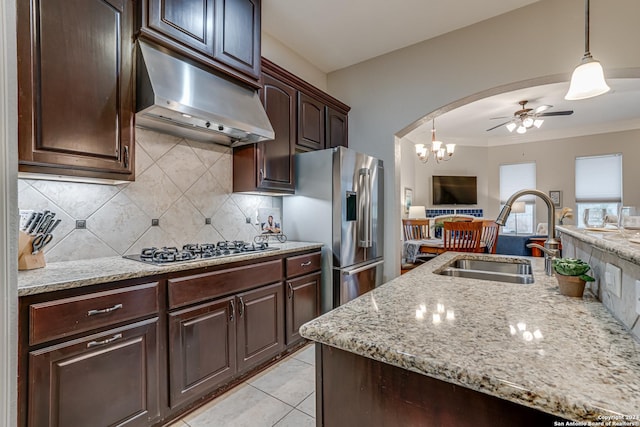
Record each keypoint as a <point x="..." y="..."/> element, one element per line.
<point x="427" y="349"/>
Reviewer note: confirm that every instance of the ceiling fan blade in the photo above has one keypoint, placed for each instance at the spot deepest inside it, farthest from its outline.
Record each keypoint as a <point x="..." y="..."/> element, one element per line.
<point x="501" y="124"/>
<point x="556" y="113"/>
<point x="542" y="108"/>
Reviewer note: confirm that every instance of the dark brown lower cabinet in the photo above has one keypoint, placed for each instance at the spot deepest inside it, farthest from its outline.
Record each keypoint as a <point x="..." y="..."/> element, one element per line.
<point x="211" y="343"/>
<point x="104" y="379"/>
<point x="303" y="304"/>
<point x="353" y="390"/>
<point x="202" y="349"/>
<point x="260" y="325"/>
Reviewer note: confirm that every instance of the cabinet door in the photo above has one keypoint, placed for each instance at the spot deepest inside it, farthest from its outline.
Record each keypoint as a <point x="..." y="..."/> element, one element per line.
<point x="190" y="22"/>
<point x="237" y="35"/>
<point x="336" y="129"/>
<point x="275" y="158"/>
<point x="202" y="349"/>
<point x="303" y="304"/>
<point x="260" y="325"/>
<point x="109" y="378"/>
<point x="76" y="87"/>
<point x="311" y="122"/>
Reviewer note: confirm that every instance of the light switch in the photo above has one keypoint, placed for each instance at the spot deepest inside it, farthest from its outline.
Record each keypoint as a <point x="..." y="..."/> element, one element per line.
<point x="638" y="296"/>
<point x="613" y="279"/>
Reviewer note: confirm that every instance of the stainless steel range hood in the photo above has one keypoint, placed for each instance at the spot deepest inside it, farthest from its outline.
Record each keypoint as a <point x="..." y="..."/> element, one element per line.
<point x="176" y="97"/>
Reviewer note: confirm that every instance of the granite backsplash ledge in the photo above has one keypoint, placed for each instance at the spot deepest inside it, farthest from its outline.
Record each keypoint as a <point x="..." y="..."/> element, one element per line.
<point x="179" y="182"/>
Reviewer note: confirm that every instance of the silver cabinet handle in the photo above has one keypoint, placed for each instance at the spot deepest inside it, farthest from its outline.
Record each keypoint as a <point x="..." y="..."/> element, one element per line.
<point x="241" y="308"/>
<point x="105" y="341"/>
<point x="104" y="310"/>
<point x="305" y="264"/>
<point x="290" y="290"/>
<point x="233" y="309"/>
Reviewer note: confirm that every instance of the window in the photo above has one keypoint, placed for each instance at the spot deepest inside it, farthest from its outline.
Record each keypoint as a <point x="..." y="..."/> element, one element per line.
<point x="515" y="177"/>
<point x="598" y="184"/>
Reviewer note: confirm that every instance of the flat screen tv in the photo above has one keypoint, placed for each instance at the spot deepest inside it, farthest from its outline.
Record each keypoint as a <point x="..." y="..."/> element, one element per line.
<point x="454" y="190"/>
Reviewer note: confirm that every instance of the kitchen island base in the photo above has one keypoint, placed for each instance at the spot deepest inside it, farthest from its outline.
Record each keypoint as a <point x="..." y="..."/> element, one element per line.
<point x="355" y="390"/>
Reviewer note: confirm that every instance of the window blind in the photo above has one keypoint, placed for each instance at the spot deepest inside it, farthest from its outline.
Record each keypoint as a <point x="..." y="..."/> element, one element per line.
<point x="515" y="177"/>
<point x="599" y="178"/>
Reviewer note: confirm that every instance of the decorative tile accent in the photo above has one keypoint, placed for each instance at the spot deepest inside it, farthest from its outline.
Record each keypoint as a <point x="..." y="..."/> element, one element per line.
<point x="143" y="160"/>
<point x="182" y="221"/>
<point x="209" y="154"/>
<point x="179" y="181"/>
<point x="207" y="195"/>
<point x="80" y="244"/>
<point x="431" y="213"/>
<point x="118" y="223"/>
<point x="153" y="192"/>
<point x="182" y="166"/>
<point x="154" y="143"/>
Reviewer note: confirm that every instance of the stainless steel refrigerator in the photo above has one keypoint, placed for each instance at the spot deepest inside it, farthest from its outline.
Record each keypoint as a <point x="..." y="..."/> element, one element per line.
<point x="339" y="202"/>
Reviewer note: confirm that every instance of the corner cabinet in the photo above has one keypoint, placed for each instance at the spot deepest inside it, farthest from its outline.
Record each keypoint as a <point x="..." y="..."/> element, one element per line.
<point x="224" y="34"/>
<point x="76" y="87"/>
<point x="303" y="117"/>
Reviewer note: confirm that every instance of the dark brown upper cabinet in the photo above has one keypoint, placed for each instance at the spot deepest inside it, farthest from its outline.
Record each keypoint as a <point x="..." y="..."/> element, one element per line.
<point x="337" y="131"/>
<point x="224" y="34"/>
<point x="268" y="166"/>
<point x="303" y="117"/>
<point x="75" y="83"/>
<point x="311" y="122"/>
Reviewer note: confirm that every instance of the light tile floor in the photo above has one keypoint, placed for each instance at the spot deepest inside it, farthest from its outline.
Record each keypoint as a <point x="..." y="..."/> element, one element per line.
<point x="281" y="396"/>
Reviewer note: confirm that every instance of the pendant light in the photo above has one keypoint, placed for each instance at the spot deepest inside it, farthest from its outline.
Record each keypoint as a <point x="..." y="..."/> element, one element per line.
<point x="587" y="80"/>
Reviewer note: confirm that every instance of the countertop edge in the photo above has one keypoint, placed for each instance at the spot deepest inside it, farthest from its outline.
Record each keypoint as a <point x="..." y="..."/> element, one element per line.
<point x="80" y="273"/>
<point x="605" y="241"/>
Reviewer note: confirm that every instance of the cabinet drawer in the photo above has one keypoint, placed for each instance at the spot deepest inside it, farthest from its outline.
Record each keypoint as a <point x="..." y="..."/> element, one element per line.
<point x="60" y="318"/>
<point x="303" y="264"/>
<point x="201" y="287"/>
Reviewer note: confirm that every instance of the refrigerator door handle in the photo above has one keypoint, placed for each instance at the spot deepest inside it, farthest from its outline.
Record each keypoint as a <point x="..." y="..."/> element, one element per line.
<point x="365" y="224"/>
<point x="363" y="268"/>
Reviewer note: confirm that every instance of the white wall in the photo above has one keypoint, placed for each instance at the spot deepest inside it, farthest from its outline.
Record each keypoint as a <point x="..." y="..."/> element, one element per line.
<point x="389" y="92"/>
<point x="555" y="166"/>
<point x="278" y="53"/>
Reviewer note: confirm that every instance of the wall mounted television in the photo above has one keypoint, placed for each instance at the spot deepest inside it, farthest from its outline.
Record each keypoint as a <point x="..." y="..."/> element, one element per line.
<point x="454" y="190"/>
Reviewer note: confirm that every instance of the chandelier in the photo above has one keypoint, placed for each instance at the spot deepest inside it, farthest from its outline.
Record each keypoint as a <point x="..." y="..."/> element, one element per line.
<point x="439" y="153"/>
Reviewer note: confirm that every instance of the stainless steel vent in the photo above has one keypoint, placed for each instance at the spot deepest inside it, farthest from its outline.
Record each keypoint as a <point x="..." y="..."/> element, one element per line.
<point x="176" y="97"/>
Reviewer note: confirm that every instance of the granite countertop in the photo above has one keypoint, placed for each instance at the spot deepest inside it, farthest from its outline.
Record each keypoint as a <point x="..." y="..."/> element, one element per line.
<point x="73" y="274"/>
<point x="523" y="343"/>
<point x="610" y="241"/>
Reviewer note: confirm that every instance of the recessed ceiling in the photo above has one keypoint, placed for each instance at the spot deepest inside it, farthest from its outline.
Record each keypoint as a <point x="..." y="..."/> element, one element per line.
<point x="614" y="111"/>
<point x="334" y="34"/>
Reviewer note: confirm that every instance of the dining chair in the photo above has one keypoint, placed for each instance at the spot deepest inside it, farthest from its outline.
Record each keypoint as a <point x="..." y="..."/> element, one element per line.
<point x="414" y="229"/>
<point x="462" y="236"/>
<point x="489" y="237"/>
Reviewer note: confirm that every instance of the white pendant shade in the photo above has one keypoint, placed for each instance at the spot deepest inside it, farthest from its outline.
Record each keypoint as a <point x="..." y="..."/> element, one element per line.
<point x="587" y="81"/>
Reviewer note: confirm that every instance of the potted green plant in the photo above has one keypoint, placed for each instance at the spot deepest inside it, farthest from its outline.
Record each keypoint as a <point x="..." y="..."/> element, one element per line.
<point x="571" y="275"/>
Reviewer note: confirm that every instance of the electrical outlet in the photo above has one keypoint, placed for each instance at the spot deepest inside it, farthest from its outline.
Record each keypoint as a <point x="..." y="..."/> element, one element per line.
<point x="613" y="279"/>
<point x="638" y="296"/>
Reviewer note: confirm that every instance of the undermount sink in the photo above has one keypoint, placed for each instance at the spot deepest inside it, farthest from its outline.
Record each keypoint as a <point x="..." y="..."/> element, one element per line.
<point x="511" y="271"/>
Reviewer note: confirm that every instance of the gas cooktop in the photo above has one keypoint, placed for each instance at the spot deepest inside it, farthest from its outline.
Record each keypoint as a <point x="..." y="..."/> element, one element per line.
<point x="197" y="251"/>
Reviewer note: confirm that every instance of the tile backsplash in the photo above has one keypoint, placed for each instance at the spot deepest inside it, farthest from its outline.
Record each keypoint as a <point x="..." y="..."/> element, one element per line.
<point x="178" y="181"/>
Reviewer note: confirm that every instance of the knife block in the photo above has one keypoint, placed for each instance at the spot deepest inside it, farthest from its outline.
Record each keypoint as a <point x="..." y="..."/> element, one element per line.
<point x="26" y="260"/>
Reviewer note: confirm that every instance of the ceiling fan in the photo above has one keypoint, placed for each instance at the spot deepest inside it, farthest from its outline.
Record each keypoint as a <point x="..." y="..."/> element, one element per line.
<point x="525" y="118"/>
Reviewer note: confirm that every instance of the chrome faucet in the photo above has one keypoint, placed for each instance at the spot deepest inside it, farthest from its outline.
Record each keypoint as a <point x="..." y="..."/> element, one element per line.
<point x="551" y="245"/>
